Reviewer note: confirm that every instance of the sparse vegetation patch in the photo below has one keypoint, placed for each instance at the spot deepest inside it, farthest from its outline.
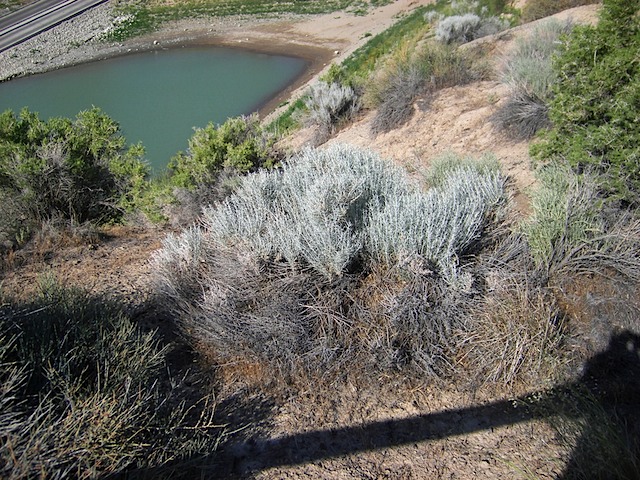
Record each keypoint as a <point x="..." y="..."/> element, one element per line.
<point x="536" y="9"/>
<point x="408" y="75"/>
<point x="143" y="17"/>
<point x="85" y="393"/>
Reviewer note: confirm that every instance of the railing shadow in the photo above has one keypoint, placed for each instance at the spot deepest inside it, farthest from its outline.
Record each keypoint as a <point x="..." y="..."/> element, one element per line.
<point x="607" y="396"/>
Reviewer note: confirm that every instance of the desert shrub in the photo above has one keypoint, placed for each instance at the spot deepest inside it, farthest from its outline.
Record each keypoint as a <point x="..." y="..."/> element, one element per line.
<point x="328" y="208"/>
<point x="573" y="231"/>
<point x="442" y="166"/>
<point x="15" y="227"/>
<point x="536" y="9"/>
<point x="84" y="392"/>
<point x="399" y="319"/>
<point x="407" y="76"/>
<point x="529" y="74"/>
<point x="402" y="88"/>
<point x="458" y="209"/>
<point x="78" y="170"/>
<point x="522" y="115"/>
<point x="465" y="28"/>
<point x="595" y="101"/>
<point x="208" y="171"/>
<point x="328" y="105"/>
<point x="280" y="271"/>
<point x="614" y="249"/>
<point x="233" y="306"/>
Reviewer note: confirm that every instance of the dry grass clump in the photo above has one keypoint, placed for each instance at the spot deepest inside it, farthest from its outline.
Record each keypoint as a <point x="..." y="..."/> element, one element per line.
<point x="409" y="75"/>
<point x="515" y="336"/>
<point x="85" y="393"/>
<point x="530" y="76"/>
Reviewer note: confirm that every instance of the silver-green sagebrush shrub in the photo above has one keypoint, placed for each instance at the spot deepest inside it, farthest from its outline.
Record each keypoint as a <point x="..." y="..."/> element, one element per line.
<point x="467" y="27"/>
<point x="328" y="105"/>
<point x="328" y="207"/>
<point x="440" y="224"/>
<point x="267" y="273"/>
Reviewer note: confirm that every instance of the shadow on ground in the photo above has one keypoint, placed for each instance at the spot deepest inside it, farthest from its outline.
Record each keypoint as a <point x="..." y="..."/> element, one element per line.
<point x="601" y="413"/>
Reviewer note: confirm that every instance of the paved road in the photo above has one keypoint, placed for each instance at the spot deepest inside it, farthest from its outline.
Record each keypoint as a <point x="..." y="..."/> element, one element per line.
<point x="37" y="17"/>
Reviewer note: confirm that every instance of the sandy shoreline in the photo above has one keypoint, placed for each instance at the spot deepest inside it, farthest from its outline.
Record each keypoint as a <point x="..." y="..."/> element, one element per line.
<point x="318" y="39"/>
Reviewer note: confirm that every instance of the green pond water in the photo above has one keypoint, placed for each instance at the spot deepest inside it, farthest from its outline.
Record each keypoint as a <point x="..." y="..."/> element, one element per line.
<point x="159" y="97"/>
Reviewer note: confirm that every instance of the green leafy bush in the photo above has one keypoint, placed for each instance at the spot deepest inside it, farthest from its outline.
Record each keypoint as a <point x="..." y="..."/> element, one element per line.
<point x="596" y="100"/>
<point x="86" y="394"/>
<point x="79" y="170"/>
<point x="240" y="144"/>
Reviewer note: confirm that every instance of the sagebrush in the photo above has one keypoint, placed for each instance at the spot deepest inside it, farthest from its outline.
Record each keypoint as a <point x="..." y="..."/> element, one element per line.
<point x="465" y="28"/>
<point x="267" y="273"/>
<point x="413" y="73"/>
<point x="329" y="105"/>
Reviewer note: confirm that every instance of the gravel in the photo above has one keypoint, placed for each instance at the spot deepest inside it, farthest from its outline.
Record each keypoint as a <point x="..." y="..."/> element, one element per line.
<point x="71" y="42"/>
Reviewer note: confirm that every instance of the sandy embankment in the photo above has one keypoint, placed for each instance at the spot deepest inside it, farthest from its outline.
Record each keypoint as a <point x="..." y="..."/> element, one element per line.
<point x="320" y="39"/>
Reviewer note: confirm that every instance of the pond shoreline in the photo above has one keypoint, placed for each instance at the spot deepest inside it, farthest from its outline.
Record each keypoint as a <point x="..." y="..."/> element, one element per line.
<point x="318" y="39"/>
<point x="79" y="41"/>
